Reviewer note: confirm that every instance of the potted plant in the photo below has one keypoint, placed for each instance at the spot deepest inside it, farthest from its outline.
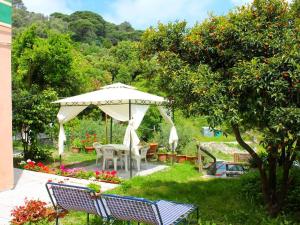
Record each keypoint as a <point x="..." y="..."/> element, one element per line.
<point x="171" y="156"/>
<point x="88" y="142"/>
<point x="153" y="147"/>
<point x="162" y="155"/>
<point x="95" y="187"/>
<point x="191" y="159"/>
<point x="76" y="145"/>
<point x="180" y="158"/>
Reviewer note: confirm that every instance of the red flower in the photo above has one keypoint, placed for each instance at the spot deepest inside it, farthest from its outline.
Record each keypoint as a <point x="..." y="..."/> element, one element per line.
<point x="31" y="163"/>
<point x="114" y="173"/>
<point x="40" y="164"/>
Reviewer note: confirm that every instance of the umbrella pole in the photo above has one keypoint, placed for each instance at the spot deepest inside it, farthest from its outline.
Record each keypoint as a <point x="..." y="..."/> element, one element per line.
<point x="111" y="126"/>
<point x="106" y="130"/>
<point x="130" y="144"/>
<point x="173" y="144"/>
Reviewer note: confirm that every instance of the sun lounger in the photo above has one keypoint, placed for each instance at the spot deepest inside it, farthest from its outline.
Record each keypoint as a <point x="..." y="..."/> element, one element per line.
<point x="69" y="197"/>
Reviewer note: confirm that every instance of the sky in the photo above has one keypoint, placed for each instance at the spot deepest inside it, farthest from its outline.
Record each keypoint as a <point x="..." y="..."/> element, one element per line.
<point x="139" y="13"/>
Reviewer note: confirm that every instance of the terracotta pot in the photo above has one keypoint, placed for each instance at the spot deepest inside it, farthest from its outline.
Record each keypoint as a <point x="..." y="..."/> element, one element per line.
<point x="181" y="158"/>
<point x="89" y="149"/>
<point x="75" y="149"/>
<point x="97" y="195"/>
<point x="153" y="146"/>
<point x="171" y="156"/>
<point x="192" y="159"/>
<point x="162" y="157"/>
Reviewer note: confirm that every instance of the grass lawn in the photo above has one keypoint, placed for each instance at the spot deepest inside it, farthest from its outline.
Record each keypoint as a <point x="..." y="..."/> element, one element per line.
<point x="219" y="200"/>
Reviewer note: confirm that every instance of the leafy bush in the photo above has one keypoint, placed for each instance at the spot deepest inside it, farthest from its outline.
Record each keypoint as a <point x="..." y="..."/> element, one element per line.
<point x="188" y="129"/>
<point x="151" y="123"/>
<point x="95" y="187"/>
<point x="38" y="152"/>
<point x="251" y="189"/>
<point x="79" y="128"/>
<point x="250" y="186"/>
<point x="76" y="142"/>
<point x="292" y="203"/>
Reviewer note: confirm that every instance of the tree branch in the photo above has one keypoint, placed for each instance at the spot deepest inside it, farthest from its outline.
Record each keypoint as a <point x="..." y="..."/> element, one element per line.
<point x="239" y="139"/>
<point x="260" y="165"/>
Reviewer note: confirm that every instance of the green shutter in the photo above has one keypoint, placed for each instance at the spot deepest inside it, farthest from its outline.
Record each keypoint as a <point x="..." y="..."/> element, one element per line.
<point x="5" y="13"/>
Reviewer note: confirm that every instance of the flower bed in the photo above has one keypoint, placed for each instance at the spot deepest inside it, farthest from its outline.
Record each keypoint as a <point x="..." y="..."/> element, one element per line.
<point x="81" y="173"/>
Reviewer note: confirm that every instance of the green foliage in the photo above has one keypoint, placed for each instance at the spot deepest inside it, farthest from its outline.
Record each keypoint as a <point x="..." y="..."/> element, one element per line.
<point x="32" y="114"/>
<point x="76" y="142"/>
<point x="46" y="62"/>
<point x="94" y="186"/>
<point x="78" y="128"/>
<point x="292" y="203"/>
<point x="250" y="189"/>
<point x="86" y="26"/>
<point x="188" y="130"/>
<point x="150" y="125"/>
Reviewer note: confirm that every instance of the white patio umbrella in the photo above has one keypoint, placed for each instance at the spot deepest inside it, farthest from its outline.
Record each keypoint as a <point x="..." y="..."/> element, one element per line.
<point x="121" y="102"/>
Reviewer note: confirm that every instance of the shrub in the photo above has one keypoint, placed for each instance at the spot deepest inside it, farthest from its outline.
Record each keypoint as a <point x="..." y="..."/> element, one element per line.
<point x="251" y="189"/>
<point x="76" y="142"/>
<point x="250" y="186"/>
<point x="79" y="128"/>
<point x="292" y="202"/>
<point x="95" y="187"/>
<point x="188" y="129"/>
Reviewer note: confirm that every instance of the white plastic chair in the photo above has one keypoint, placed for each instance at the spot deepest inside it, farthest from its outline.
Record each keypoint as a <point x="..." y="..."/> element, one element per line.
<point x="123" y="156"/>
<point x="139" y="157"/>
<point x="97" y="147"/>
<point x="109" y="154"/>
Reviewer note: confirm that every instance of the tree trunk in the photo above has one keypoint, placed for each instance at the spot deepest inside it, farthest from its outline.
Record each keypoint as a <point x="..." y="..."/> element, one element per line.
<point x="262" y="170"/>
<point x="273" y="198"/>
<point x="273" y="206"/>
<point x="287" y="164"/>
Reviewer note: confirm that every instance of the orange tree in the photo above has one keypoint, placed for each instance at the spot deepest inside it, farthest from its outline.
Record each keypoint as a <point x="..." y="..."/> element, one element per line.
<point x="241" y="69"/>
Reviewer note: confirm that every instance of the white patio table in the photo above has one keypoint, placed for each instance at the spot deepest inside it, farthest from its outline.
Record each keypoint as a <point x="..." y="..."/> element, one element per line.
<point x="118" y="147"/>
<point x="123" y="149"/>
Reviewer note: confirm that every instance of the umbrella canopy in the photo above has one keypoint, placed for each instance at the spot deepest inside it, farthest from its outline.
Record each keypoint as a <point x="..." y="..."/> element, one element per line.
<point x="121" y="102"/>
<point x="114" y="94"/>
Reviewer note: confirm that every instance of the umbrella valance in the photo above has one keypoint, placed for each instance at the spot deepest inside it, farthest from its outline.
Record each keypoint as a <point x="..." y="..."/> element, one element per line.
<point x="114" y="94"/>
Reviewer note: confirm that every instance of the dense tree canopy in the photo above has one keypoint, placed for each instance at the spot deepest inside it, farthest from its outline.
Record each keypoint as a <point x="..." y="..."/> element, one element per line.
<point x="46" y="62"/>
<point x="241" y="69"/>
